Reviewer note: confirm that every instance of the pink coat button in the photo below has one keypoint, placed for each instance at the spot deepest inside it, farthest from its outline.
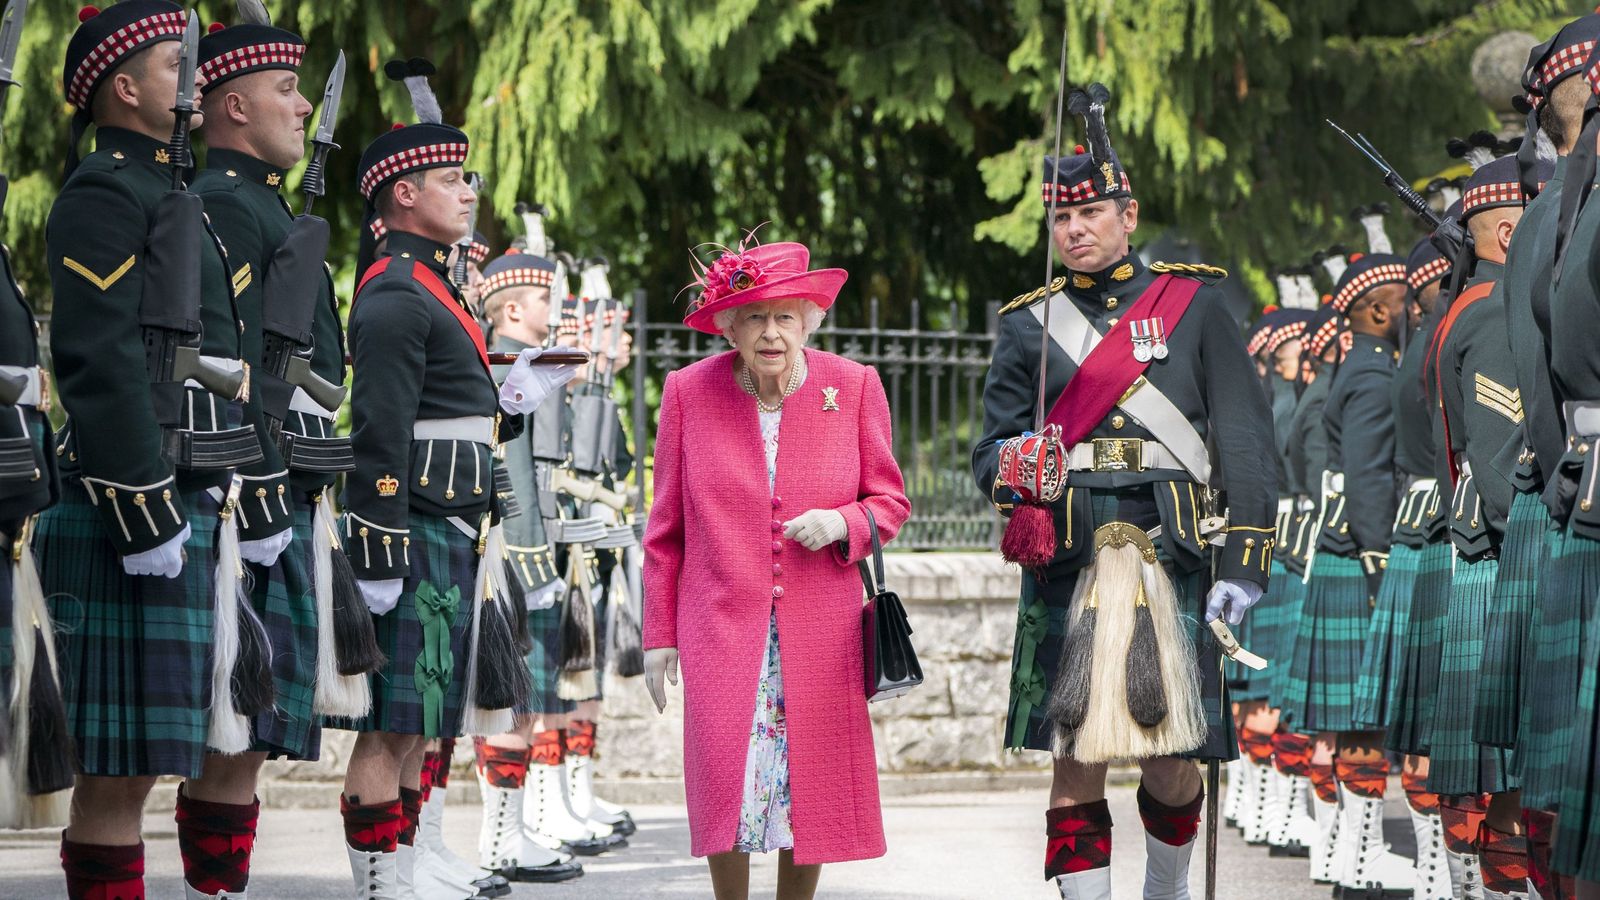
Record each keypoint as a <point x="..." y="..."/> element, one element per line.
<point x="777" y="591"/>
<point x="776" y="526"/>
<point x="777" y="546"/>
<point x="776" y="570"/>
<point x="777" y="502"/>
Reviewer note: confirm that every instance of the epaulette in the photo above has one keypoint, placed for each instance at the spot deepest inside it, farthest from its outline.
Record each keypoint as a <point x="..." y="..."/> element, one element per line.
<point x="1023" y="301"/>
<point x="1200" y="271"/>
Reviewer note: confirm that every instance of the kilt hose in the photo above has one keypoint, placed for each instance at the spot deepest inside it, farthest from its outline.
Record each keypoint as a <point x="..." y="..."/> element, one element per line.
<point x="1262" y="635"/>
<point x="1560" y="661"/>
<point x="1501" y="686"/>
<point x="1043" y="612"/>
<point x="1386" y="636"/>
<point x="1457" y="763"/>
<point x="284" y="596"/>
<point x="410" y="696"/>
<point x="1411" y="717"/>
<point x="1319" y="690"/>
<point x="1575" y="565"/>
<point x="134" y="651"/>
<point x="1292" y="590"/>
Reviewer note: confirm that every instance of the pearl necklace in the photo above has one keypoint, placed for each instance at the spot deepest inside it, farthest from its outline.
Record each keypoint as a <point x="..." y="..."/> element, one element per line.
<point x="797" y="374"/>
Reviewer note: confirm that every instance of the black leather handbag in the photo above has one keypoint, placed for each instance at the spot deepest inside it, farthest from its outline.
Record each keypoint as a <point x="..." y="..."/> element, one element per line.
<point x="891" y="665"/>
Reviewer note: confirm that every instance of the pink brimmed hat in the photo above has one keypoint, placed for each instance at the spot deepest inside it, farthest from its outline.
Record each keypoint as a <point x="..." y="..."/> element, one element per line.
<point x="753" y="274"/>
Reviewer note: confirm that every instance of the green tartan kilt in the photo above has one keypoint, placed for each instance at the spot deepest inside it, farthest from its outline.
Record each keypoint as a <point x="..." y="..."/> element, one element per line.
<point x="1042" y="618"/>
<point x="1560" y="651"/>
<point x="1457" y="764"/>
<point x="1501" y="688"/>
<point x="1381" y="660"/>
<point x="443" y="560"/>
<point x="544" y="661"/>
<point x="1293" y="590"/>
<point x="1319" y="690"/>
<point x="1411" y="715"/>
<point x="1261" y="633"/>
<point x="284" y="596"/>
<point x="1576" y="565"/>
<point x="134" y="652"/>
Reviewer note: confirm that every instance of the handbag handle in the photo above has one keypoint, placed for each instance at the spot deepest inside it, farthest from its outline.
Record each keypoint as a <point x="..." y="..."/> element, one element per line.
<point x="874" y="588"/>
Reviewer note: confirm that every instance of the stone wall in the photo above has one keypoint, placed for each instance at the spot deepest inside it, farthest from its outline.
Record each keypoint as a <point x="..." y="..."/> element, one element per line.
<point x="949" y="731"/>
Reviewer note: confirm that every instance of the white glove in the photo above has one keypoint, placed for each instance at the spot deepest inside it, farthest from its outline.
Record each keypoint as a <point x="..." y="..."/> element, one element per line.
<point x="266" y="551"/>
<point x="817" y="528"/>
<point x="527" y="385"/>
<point x="1231" y="597"/>
<point x="381" y="594"/>
<point x="662" y="661"/>
<point x="546" y="597"/>
<point x="165" y="561"/>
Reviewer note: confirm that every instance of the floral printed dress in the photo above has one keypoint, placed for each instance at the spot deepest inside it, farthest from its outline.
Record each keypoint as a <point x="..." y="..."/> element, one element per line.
<point x="764" y="815"/>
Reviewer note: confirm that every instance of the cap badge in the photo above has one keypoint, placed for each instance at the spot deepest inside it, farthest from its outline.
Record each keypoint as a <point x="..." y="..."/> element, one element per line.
<point x="1110" y="175"/>
<point x="1123" y="272"/>
<point x="1082" y="282"/>
<point x="388" y="486"/>
<point x="830" y="399"/>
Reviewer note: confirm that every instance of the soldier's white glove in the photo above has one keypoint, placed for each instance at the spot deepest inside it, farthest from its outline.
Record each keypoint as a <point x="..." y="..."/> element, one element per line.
<point x="817" y="528"/>
<point x="527" y="385"/>
<point x="546" y="597"/>
<point x="381" y="594"/>
<point x="1230" y="597"/>
<point x="165" y="561"/>
<point x="660" y="663"/>
<point x="266" y="551"/>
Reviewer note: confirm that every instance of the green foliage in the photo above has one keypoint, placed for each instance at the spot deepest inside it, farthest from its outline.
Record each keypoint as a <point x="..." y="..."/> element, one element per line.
<point x="900" y="138"/>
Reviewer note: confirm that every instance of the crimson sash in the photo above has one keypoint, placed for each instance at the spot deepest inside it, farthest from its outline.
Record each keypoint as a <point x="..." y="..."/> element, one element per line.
<point x="426" y="277"/>
<point x="1472" y="294"/>
<point x="1110" y="368"/>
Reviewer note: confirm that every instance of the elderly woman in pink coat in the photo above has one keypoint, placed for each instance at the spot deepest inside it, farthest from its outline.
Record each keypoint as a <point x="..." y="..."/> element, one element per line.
<point x="768" y="459"/>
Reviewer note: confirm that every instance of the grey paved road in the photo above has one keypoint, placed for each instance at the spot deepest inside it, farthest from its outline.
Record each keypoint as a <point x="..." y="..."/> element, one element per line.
<point x="958" y="846"/>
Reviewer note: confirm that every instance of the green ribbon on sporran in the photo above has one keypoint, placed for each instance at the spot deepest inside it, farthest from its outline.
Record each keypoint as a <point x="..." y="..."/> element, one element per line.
<point x="435" y="667"/>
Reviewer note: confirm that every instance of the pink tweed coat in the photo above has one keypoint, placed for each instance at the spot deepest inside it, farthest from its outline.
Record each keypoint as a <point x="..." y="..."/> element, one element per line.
<point x="716" y="564"/>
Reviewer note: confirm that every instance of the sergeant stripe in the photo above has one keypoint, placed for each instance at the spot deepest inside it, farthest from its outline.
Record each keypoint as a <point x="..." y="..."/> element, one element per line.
<point x="1503" y="400"/>
<point x="241" y="279"/>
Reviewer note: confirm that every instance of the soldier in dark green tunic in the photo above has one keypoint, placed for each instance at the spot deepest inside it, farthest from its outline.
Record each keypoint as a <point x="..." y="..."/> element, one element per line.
<point x="1470" y="371"/>
<point x="1141" y="477"/>
<point x="1566" y="318"/>
<point x="1359" y="500"/>
<point x="127" y="555"/>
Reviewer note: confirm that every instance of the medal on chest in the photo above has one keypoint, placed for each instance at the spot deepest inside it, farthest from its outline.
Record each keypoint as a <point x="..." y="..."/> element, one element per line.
<point x="1149" y="339"/>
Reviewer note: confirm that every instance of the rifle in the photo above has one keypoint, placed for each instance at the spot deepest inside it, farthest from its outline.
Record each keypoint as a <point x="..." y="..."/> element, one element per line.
<point x="458" y="272"/>
<point x="593" y="411"/>
<point x="169" y="305"/>
<point x="291" y="289"/>
<point x="1446" y="234"/>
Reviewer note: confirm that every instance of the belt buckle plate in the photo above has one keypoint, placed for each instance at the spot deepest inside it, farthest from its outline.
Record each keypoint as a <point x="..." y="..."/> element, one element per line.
<point x="1118" y="455"/>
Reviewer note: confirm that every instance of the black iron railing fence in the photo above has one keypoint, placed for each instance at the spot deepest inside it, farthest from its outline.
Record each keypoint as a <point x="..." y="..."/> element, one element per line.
<point x="934" y="382"/>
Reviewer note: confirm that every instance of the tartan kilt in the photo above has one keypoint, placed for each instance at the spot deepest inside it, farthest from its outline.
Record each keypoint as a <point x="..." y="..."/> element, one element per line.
<point x="1457" y="764"/>
<point x="1043" y="612"/>
<point x="1576" y="563"/>
<point x="1292" y="589"/>
<point x="1262" y="633"/>
<point x="447" y="559"/>
<point x="544" y="662"/>
<point x="134" y="652"/>
<point x="1381" y="660"/>
<point x="284" y="596"/>
<point x="1319" y="690"/>
<point x="1501" y="688"/>
<point x="1560" y="661"/>
<point x="1411" y="715"/>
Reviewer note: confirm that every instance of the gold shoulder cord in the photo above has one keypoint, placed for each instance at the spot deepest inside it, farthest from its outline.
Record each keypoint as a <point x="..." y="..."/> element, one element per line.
<point x="1196" y="269"/>
<point x="1024" y="300"/>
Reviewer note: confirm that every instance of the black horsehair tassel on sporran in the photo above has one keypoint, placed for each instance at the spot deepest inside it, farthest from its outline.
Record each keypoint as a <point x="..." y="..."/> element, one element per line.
<point x="503" y="677"/>
<point x="1147" y="697"/>
<point x="517" y="597"/>
<point x="577" y="632"/>
<point x="627" y="637"/>
<point x="253" y="689"/>
<point x="356" y="639"/>
<point x="49" y="742"/>
<point x="1069" y="705"/>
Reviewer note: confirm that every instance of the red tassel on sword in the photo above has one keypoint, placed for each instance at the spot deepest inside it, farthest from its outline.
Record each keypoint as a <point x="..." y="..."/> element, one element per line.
<point x="1034" y="466"/>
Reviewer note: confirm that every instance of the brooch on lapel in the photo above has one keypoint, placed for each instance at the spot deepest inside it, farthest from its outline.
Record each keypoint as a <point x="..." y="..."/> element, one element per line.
<point x="830" y="399"/>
